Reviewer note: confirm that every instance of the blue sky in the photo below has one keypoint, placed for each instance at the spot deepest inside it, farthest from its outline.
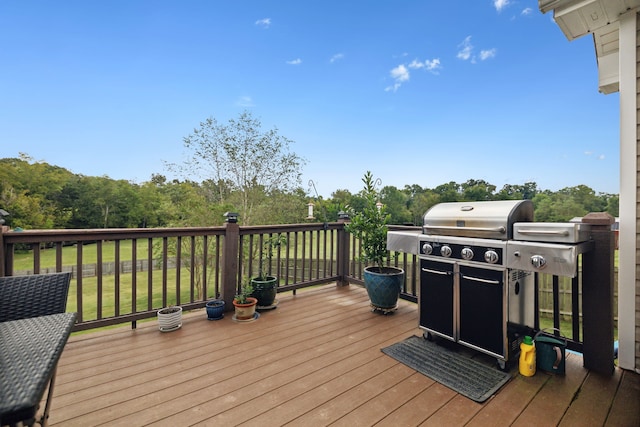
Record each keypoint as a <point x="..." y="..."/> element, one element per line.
<point x="417" y="91"/>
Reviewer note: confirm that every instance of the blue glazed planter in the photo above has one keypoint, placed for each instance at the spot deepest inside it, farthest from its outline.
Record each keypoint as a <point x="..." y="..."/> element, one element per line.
<point x="383" y="286"/>
<point x="215" y="309"/>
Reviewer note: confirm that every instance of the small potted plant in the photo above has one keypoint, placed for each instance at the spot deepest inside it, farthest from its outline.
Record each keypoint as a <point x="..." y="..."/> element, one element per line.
<point x="170" y="318"/>
<point x="245" y="305"/>
<point x="383" y="282"/>
<point x="215" y="309"/>
<point x="265" y="286"/>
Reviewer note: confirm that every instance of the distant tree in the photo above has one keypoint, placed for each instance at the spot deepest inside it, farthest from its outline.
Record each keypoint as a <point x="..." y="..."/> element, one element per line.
<point x="396" y="203"/>
<point x="449" y="192"/>
<point x="584" y="196"/>
<point x="477" y="190"/>
<point x="613" y="204"/>
<point x="556" y="207"/>
<point x="285" y="208"/>
<point x="421" y="203"/>
<point x="239" y="156"/>
<point x="518" y="192"/>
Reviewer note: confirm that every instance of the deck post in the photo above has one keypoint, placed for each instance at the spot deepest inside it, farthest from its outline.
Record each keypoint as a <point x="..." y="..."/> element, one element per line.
<point x="343" y="250"/>
<point x="597" y="295"/>
<point x="230" y="262"/>
<point x="3" y="228"/>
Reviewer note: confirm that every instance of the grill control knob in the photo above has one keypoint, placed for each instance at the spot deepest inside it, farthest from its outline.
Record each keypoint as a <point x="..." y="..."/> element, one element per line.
<point x="538" y="262"/>
<point x="445" y="251"/>
<point x="491" y="256"/>
<point x="427" y="249"/>
<point x="467" y="253"/>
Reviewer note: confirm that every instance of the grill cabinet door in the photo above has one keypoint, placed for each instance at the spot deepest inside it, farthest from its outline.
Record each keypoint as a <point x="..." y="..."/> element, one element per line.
<point x="482" y="303"/>
<point x="436" y="297"/>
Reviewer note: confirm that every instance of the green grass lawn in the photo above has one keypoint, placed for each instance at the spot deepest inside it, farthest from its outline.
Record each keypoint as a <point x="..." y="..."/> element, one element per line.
<point x="24" y="260"/>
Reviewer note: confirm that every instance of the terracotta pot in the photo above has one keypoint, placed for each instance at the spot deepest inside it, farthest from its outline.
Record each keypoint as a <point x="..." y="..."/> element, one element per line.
<point x="246" y="311"/>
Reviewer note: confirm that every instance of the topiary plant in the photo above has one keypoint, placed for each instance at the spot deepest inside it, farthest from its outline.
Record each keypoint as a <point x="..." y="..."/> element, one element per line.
<point x="370" y="224"/>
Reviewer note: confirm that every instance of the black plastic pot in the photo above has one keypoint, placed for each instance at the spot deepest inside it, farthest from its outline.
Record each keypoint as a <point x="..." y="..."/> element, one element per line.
<point x="265" y="290"/>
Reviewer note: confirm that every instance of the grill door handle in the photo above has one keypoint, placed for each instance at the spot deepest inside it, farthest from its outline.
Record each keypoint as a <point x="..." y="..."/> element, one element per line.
<point x="442" y="273"/>
<point x="477" y="279"/>
<point x="500" y="229"/>
<point x="563" y="233"/>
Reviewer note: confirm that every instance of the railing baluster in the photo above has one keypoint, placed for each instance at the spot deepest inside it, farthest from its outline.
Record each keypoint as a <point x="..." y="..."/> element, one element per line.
<point x="178" y="267"/>
<point x="575" y="308"/>
<point x="134" y="275"/>
<point x="116" y="277"/>
<point x="165" y="259"/>
<point x="79" y="306"/>
<point x="36" y="258"/>
<point x="150" y="274"/>
<point x="99" y="278"/>
<point x="287" y="251"/>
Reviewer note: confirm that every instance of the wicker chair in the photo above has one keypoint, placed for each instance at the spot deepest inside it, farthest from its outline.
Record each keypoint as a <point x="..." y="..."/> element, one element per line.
<point x="34" y="295"/>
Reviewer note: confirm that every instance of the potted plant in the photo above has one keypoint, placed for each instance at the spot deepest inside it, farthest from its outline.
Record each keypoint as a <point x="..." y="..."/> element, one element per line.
<point x="245" y="305"/>
<point x="170" y="318"/>
<point x="265" y="286"/>
<point x="215" y="309"/>
<point x="369" y="225"/>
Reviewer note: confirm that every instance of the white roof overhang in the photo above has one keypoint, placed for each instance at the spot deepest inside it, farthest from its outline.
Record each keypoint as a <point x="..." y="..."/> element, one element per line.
<point x="600" y="18"/>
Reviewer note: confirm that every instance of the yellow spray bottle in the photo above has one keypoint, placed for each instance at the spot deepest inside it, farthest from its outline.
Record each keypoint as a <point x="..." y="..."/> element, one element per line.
<point x="527" y="363"/>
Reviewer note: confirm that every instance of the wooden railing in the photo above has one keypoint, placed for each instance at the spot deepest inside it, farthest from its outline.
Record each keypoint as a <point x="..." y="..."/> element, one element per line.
<point x="125" y="275"/>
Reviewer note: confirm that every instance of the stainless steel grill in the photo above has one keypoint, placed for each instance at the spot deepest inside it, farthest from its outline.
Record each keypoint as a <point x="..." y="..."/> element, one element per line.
<point x="477" y="261"/>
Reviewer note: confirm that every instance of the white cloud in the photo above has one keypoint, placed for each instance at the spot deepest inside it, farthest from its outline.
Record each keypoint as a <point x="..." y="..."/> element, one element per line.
<point x="264" y="23"/>
<point x="296" y="61"/>
<point x="465" y="49"/>
<point x="431" y="65"/>
<point x="245" y="101"/>
<point x="500" y="4"/>
<point x="400" y="74"/>
<point x="336" y="57"/>
<point x="465" y="52"/>
<point x="526" y="11"/>
<point x="486" y="54"/>
<point x="590" y="153"/>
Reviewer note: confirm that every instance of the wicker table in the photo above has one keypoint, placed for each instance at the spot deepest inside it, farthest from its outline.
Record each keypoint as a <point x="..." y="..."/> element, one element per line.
<point x="29" y="353"/>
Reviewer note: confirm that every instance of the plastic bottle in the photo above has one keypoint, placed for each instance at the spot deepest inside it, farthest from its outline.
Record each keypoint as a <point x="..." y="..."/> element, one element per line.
<point x="527" y="365"/>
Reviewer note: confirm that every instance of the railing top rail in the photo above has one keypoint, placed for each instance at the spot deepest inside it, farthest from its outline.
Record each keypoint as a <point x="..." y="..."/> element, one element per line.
<point x="61" y="235"/>
<point x="283" y="228"/>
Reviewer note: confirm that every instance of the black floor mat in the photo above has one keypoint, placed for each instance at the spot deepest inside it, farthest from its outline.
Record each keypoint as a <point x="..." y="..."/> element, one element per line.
<point x="454" y="369"/>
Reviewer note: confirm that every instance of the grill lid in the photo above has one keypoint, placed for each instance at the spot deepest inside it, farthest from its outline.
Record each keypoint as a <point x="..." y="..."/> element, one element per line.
<point x="490" y="220"/>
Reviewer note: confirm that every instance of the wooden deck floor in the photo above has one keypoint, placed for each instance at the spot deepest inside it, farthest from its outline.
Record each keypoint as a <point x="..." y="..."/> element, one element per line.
<point x="313" y="361"/>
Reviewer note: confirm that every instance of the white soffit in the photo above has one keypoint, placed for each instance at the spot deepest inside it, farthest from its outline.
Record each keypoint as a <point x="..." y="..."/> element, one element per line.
<point x="579" y="17"/>
<point x="600" y="18"/>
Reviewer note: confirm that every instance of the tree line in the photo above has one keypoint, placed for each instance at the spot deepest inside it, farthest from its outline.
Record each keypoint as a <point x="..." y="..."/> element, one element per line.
<point x="238" y="167"/>
<point x="38" y="195"/>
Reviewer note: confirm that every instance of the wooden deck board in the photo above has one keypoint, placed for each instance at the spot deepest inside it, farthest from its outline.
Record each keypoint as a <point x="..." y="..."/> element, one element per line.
<point x="625" y="410"/>
<point x="313" y="361"/>
<point x="554" y="399"/>
<point x="592" y="404"/>
<point x="418" y="409"/>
